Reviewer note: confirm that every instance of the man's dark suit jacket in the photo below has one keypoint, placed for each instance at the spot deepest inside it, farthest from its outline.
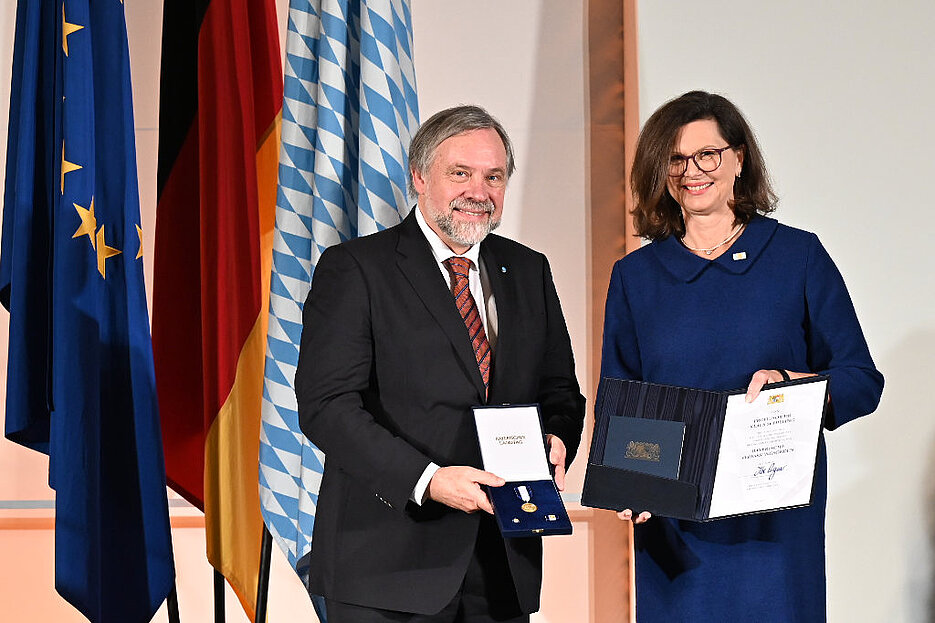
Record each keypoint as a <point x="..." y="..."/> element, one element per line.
<point x="385" y="384"/>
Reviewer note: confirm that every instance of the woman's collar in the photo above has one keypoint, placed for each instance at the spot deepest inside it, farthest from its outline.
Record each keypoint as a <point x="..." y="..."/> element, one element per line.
<point x="686" y="266"/>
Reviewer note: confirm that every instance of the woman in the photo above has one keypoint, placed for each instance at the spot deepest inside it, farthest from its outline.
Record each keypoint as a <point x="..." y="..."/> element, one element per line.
<point x="726" y="297"/>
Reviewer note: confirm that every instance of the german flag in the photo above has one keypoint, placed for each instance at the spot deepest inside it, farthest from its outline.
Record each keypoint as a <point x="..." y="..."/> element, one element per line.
<point x="220" y="114"/>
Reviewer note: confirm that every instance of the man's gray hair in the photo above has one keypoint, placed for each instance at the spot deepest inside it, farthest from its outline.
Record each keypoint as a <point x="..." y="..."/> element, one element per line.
<point x="443" y="125"/>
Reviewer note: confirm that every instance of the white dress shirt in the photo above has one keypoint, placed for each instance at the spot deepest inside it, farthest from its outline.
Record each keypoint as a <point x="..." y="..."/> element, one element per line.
<point x="479" y="283"/>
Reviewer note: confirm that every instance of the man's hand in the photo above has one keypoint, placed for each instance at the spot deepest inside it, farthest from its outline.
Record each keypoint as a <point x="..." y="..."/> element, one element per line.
<point x="557" y="458"/>
<point x="459" y="487"/>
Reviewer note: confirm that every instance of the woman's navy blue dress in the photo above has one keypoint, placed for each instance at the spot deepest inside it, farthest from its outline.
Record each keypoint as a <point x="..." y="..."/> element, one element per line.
<point x="774" y="300"/>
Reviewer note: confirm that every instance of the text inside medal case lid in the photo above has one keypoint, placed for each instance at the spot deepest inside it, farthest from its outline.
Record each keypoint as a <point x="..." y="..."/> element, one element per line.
<point x="511" y="442"/>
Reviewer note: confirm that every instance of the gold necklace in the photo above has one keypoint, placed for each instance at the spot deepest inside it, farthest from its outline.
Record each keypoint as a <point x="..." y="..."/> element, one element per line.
<point x="711" y="250"/>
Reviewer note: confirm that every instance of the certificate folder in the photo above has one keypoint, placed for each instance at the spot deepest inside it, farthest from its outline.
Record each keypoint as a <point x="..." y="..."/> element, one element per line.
<point x="734" y="458"/>
<point x="512" y="446"/>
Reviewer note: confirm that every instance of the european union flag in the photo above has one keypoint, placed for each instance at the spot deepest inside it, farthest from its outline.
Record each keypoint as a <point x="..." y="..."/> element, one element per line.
<point x="80" y="383"/>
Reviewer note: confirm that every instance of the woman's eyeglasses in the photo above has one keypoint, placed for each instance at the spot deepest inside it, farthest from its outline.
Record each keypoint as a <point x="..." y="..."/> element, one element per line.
<point x="707" y="160"/>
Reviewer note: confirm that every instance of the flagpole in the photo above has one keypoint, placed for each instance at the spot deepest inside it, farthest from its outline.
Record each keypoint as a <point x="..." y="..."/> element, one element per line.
<point x="262" y="587"/>
<point x="172" y="604"/>
<point x="218" y="597"/>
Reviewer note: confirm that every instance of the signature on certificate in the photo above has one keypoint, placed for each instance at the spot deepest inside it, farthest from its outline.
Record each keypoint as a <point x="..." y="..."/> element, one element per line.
<point x="767" y="471"/>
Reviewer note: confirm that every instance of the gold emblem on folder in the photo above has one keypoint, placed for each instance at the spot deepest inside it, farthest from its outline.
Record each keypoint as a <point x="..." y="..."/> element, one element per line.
<point x="775" y="399"/>
<point x="643" y="451"/>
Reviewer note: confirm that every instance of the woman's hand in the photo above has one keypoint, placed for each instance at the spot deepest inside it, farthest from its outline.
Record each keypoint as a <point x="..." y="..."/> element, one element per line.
<point x="627" y="515"/>
<point x="557" y="454"/>
<point x="762" y="377"/>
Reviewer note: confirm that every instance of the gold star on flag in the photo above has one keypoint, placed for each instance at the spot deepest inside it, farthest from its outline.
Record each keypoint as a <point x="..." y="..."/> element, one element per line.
<point x="67" y="29"/>
<point x="139" y="231"/>
<point x="103" y="252"/>
<point x="67" y="167"/>
<point x="88" y="222"/>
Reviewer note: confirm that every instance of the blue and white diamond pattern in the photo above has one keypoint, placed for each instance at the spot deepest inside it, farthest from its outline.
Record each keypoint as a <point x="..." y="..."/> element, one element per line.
<point x="348" y="114"/>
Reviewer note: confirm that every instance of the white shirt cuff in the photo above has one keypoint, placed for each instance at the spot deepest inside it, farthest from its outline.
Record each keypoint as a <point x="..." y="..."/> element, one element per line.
<point x="420" y="492"/>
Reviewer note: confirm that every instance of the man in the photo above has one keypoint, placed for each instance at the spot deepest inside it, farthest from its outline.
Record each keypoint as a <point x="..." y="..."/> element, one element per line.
<point x="398" y="344"/>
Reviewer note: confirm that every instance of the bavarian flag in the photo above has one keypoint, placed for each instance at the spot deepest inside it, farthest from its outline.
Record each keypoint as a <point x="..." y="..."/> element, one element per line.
<point x="220" y="102"/>
<point x="80" y="383"/>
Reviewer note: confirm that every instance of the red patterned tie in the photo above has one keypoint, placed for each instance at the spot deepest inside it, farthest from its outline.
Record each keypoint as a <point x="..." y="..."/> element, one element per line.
<point x="459" y="267"/>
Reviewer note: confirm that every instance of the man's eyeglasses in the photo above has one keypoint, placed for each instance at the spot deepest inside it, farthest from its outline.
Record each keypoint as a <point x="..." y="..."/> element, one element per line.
<point x="707" y="160"/>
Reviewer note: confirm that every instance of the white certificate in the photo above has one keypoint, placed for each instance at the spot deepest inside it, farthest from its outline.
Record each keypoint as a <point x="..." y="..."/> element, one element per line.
<point x="767" y="456"/>
<point x="511" y="442"/>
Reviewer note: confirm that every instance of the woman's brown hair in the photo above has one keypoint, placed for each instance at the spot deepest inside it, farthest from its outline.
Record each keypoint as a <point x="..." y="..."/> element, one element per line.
<point x="657" y="215"/>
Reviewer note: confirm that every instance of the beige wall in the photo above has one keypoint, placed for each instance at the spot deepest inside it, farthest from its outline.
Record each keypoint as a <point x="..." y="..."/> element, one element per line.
<point x="841" y="95"/>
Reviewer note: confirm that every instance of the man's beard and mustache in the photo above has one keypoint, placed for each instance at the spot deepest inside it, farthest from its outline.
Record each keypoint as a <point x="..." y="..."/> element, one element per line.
<point x="467" y="233"/>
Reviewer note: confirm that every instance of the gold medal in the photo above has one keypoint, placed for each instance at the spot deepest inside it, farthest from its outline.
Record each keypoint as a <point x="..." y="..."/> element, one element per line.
<point x="523" y="492"/>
